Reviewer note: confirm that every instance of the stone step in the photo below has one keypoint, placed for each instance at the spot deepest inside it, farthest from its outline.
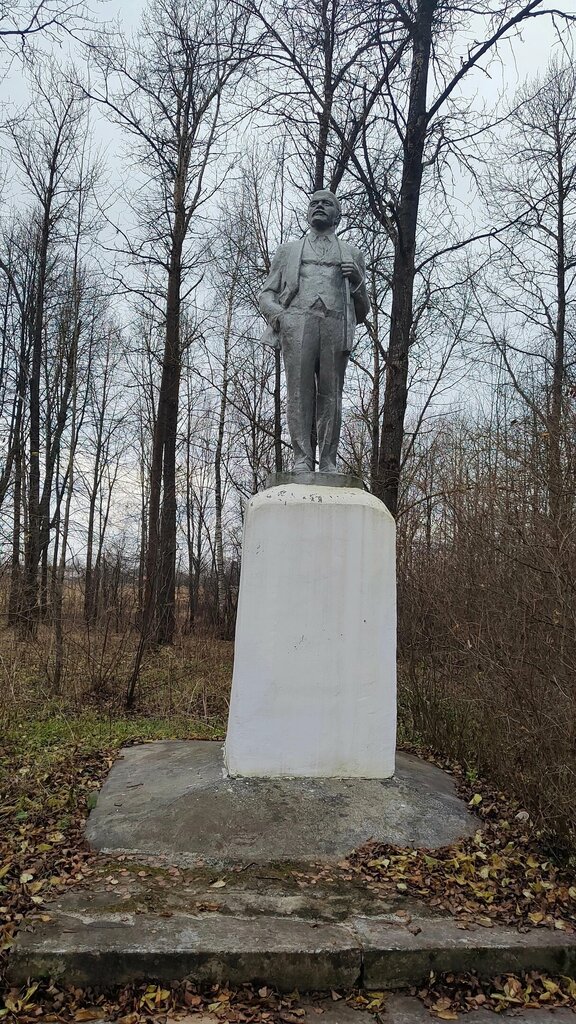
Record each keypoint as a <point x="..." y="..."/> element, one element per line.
<point x="87" y="947"/>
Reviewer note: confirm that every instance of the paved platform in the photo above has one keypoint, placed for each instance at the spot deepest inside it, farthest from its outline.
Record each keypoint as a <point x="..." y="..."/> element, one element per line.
<point x="399" y="1009"/>
<point x="221" y="880"/>
<point x="172" y="799"/>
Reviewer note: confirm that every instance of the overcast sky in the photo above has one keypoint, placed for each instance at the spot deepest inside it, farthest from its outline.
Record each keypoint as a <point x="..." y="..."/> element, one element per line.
<point x="539" y="38"/>
<point x="519" y="58"/>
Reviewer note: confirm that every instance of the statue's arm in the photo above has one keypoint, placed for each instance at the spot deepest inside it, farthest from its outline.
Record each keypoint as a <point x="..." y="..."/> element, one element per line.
<point x="270" y="307"/>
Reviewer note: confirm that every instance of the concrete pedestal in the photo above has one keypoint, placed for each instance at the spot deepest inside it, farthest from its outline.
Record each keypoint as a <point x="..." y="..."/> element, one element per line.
<point x="314" y="686"/>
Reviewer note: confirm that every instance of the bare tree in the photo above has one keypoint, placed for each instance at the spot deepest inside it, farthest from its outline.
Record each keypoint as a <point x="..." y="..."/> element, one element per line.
<point x="168" y="92"/>
<point x="23" y="19"/>
<point x="530" y="322"/>
<point x="107" y="416"/>
<point x="47" y="155"/>
<point x="333" y="59"/>
<point x="24" y="23"/>
<point x="422" y="123"/>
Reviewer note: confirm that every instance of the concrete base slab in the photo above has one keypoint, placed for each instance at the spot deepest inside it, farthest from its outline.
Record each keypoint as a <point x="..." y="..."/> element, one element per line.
<point x="396" y="958"/>
<point x="172" y="799"/>
<point x="115" y="949"/>
<point x="244" y="912"/>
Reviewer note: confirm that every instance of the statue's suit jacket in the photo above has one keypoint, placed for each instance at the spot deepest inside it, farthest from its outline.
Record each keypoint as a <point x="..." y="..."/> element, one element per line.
<point x="281" y="286"/>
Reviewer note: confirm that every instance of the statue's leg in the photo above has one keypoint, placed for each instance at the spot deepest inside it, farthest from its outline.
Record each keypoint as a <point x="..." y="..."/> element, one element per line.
<point x="333" y="363"/>
<point x="300" y="345"/>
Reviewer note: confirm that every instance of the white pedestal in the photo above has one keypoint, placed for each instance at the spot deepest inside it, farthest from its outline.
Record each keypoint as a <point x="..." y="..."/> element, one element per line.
<point x="314" y="686"/>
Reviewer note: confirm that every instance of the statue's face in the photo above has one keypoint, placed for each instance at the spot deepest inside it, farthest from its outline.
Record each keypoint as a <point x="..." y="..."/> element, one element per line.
<point x="322" y="212"/>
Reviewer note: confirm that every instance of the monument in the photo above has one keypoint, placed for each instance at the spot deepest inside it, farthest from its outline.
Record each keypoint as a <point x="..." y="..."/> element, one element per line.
<point x="217" y="879"/>
<point x="314" y="686"/>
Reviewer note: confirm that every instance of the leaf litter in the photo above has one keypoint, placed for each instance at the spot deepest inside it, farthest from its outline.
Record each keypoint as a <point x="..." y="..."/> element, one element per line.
<point x="503" y="874"/>
<point x="449" y="995"/>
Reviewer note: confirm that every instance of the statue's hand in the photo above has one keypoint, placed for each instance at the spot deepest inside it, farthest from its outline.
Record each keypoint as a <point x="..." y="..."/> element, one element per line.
<point x="274" y="319"/>
<point x="350" y="270"/>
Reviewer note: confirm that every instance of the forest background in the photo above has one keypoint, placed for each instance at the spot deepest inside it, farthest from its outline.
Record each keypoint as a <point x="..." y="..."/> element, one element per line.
<point x="148" y="178"/>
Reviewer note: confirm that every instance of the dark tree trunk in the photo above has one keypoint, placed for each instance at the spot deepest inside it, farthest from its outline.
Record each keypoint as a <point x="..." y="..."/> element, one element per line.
<point x="159" y="610"/>
<point x="16" y="569"/>
<point x="15" y="596"/>
<point x="90" y="580"/>
<point x="396" y="393"/>
<point x="28" y="618"/>
<point x="556" y="494"/>
<point x="165" y="610"/>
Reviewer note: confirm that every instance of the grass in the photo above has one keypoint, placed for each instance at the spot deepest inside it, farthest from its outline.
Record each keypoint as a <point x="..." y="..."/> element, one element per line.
<point x="189" y="680"/>
<point x="47" y="735"/>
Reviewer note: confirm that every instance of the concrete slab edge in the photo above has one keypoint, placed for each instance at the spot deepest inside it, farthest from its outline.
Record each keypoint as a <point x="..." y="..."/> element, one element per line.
<point x="286" y="953"/>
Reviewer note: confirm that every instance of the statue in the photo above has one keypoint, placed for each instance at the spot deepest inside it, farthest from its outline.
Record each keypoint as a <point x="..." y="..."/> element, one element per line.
<point x="313" y="297"/>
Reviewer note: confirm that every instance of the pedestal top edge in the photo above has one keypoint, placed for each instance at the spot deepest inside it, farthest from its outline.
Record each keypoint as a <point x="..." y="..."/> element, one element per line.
<point x="300" y="494"/>
<point x="314" y="479"/>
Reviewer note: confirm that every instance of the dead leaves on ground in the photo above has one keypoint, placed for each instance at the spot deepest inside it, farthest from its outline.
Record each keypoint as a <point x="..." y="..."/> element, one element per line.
<point x="450" y="995"/>
<point x="447" y="997"/>
<point x="42" y="848"/>
<point x="141" y="1003"/>
<point x="482" y="880"/>
<point x="502" y="874"/>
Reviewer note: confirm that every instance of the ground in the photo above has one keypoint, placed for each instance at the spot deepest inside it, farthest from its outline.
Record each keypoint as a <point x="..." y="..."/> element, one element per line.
<point x="54" y="758"/>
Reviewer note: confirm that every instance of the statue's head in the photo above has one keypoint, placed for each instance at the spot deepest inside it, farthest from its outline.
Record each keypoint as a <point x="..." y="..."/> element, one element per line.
<point x="324" y="210"/>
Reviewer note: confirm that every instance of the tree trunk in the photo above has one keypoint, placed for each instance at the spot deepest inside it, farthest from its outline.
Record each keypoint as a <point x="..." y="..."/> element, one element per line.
<point x="89" y="589"/>
<point x="218" y="495"/>
<point x="165" y="611"/>
<point x="396" y="392"/>
<point x="556" y="495"/>
<point x="28" y="618"/>
<point x="15" y="595"/>
<point x="58" y="591"/>
<point x="190" y="539"/>
<point x="158" y="614"/>
<point x="375" y="399"/>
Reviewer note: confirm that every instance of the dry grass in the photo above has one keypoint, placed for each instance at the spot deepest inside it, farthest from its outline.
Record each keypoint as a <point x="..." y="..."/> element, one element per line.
<point x="192" y="678"/>
<point x="488" y="663"/>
